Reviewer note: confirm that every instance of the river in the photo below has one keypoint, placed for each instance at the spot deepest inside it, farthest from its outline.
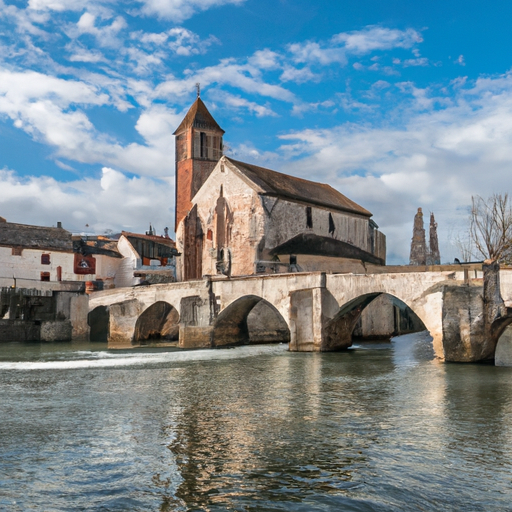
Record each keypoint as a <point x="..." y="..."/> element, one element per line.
<point x="380" y="427"/>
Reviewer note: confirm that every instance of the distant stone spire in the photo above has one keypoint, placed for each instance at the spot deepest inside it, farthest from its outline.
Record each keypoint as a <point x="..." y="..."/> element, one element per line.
<point x="418" y="243"/>
<point x="434" y="258"/>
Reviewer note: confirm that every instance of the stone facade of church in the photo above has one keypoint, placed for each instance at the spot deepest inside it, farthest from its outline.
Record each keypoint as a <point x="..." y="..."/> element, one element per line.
<point x="235" y="218"/>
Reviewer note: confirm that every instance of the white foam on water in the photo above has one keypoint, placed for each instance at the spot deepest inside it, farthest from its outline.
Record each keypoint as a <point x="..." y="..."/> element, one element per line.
<point x="112" y="359"/>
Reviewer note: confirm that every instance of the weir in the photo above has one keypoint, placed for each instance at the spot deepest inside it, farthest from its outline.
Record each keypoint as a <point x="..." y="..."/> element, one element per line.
<point x="313" y="311"/>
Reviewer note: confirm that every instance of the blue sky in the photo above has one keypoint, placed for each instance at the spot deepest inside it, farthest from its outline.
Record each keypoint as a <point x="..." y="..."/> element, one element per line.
<point x="397" y="104"/>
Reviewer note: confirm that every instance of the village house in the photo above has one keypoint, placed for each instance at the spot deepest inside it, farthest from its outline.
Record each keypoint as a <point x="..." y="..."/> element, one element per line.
<point x="235" y="218"/>
<point x="46" y="271"/>
<point x="51" y="258"/>
<point x="147" y="258"/>
<point x="41" y="257"/>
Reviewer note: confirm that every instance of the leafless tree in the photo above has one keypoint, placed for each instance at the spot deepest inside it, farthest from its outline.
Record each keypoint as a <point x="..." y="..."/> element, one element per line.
<point x="464" y="246"/>
<point x="491" y="227"/>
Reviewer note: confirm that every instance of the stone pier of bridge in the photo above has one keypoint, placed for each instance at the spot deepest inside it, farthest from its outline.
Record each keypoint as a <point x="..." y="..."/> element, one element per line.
<point x="312" y="312"/>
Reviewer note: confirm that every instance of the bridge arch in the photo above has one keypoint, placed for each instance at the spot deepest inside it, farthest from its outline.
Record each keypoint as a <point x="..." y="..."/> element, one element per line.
<point x="157" y="323"/>
<point x="249" y="319"/>
<point x="98" y="321"/>
<point x="390" y="317"/>
<point x="502" y="330"/>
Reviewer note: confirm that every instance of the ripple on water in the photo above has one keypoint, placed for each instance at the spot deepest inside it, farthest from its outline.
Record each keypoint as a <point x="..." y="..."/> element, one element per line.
<point x="376" y="428"/>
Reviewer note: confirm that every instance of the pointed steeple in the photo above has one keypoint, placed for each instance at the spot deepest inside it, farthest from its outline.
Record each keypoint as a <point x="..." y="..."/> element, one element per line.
<point x="198" y="117"/>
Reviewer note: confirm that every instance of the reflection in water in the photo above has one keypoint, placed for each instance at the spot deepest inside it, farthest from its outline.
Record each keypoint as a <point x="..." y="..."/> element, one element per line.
<point x="478" y="407"/>
<point x="380" y="427"/>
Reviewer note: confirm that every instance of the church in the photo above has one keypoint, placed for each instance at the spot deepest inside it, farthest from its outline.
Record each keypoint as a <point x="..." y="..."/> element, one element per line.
<point x="235" y="218"/>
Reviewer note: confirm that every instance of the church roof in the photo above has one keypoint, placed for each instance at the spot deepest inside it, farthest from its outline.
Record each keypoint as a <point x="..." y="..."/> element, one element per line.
<point x="282" y="185"/>
<point x="198" y="116"/>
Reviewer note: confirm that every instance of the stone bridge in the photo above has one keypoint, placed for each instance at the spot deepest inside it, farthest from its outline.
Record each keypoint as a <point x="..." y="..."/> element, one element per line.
<point x="310" y="311"/>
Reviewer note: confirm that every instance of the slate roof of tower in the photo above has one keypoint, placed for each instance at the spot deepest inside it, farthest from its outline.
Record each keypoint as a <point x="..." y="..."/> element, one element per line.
<point x="35" y="237"/>
<point x="282" y="185"/>
<point x="198" y="117"/>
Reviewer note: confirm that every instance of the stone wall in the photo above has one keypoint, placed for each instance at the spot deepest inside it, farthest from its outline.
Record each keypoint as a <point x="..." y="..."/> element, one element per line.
<point x="239" y="227"/>
<point x="34" y="315"/>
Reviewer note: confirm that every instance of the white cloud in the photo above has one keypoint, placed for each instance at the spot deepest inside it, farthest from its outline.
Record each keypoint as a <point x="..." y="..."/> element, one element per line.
<point x="144" y="62"/>
<point x="41" y="106"/>
<point x="437" y="160"/>
<point x="420" y="61"/>
<point x="178" y="40"/>
<point x="236" y="102"/>
<point x="157" y="125"/>
<point x="80" y="54"/>
<point x="58" y="5"/>
<point x="377" y="38"/>
<point x="299" y="75"/>
<point x="106" y="35"/>
<point x="313" y="53"/>
<point x="227" y="72"/>
<point x="113" y="201"/>
<point x="26" y="21"/>
<point x="365" y="41"/>
<point x="179" y="10"/>
<point x="265" y="59"/>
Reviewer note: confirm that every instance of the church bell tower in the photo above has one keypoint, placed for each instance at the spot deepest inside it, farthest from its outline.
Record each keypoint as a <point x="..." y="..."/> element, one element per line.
<point x="198" y="149"/>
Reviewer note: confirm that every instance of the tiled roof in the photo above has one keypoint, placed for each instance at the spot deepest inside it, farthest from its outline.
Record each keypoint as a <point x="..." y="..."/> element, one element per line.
<point x="198" y="117"/>
<point x="168" y="242"/>
<point x="96" y="245"/>
<point x="35" y="237"/>
<point x="282" y="185"/>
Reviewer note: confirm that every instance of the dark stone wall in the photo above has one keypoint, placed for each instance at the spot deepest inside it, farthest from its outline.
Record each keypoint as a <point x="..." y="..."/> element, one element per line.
<point x="33" y="315"/>
<point x="19" y="330"/>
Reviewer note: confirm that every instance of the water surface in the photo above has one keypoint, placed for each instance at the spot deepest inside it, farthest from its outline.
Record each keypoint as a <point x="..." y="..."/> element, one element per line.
<point x="381" y="427"/>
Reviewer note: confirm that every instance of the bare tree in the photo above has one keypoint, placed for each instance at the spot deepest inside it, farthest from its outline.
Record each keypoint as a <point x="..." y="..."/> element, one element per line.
<point x="491" y="227"/>
<point x="464" y="246"/>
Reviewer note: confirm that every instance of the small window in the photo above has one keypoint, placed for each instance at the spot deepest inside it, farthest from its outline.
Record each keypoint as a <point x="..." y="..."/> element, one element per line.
<point x="204" y="147"/>
<point x="332" y="227"/>
<point x="293" y="259"/>
<point x="45" y="276"/>
<point x="16" y="251"/>
<point x="309" y="217"/>
<point x="59" y="273"/>
<point x="45" y="259"/>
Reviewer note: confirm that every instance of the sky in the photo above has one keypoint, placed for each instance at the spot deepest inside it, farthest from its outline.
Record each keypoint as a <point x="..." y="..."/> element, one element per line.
<point x="396" y="104"/>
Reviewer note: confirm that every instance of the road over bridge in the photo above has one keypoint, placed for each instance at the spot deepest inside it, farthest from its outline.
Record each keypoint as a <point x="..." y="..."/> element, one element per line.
<point x="310" y="311"/>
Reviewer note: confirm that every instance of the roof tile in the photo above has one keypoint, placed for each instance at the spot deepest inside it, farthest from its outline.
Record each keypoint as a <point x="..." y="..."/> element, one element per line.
<point x="290" y="187"/>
